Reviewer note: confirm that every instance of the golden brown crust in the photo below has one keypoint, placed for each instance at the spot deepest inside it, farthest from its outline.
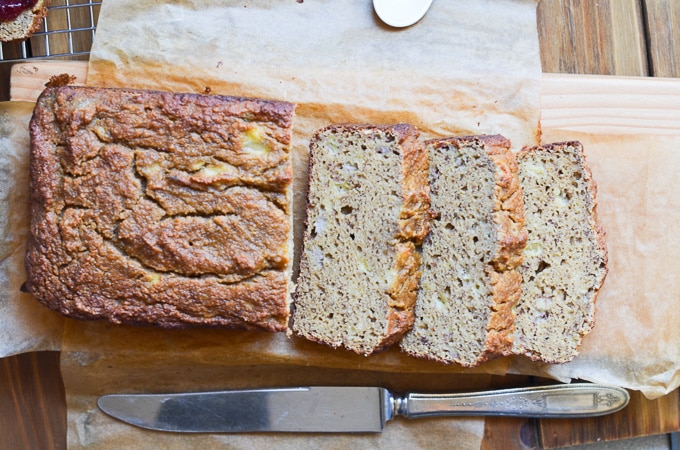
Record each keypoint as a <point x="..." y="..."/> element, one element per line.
<point x="414" y="225"/>
<point x="509" y="213"/>
<point x="416" y="217"/>
<point x="62" y="79"/>
<point x="158" y="208"/>
<point x="24" y="26"/>
<point x="512" y="237"/>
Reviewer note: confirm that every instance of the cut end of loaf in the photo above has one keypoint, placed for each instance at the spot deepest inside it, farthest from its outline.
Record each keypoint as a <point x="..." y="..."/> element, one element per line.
<point x="469" y="282"/>
<point x="565" y="260"/>
<point x="368" y="207"/>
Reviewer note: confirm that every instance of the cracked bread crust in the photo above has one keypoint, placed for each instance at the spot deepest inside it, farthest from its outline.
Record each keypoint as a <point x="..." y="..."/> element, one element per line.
<point x="458" y="321"/>
<point x="566" y="257"/>
<point x="368" y="209"/>
<point x="164" y="209"/>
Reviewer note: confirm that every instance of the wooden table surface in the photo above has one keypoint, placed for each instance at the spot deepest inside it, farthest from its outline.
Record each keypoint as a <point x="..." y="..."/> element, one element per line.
<point x="604" y="37"/>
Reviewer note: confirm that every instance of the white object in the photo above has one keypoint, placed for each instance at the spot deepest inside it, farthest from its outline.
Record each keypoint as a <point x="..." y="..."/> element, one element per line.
<point x="401" y="13"/>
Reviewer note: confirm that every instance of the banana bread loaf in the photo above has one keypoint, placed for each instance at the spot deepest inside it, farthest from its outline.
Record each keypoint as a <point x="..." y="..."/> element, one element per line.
<point x="158" y="208"/>
<point x="19" y="19"/>
<point x="565" y="260"/>
<point x="470" y="280"/>
<point x="368" y="209"/>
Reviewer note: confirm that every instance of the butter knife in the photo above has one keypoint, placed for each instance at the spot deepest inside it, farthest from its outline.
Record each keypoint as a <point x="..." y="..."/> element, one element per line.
<point x="348" y="409"/>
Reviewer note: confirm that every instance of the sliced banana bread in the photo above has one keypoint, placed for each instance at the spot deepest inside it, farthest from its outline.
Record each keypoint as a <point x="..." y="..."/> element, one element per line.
<point x="565" y="260"/>
<point x="368" y="208"/>
<point x="470" y="280"/>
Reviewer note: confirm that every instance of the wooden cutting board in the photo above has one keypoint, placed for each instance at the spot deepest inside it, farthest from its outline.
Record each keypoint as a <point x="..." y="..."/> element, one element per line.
<point x="602" y="104"/>
<point x="589" y="103"/>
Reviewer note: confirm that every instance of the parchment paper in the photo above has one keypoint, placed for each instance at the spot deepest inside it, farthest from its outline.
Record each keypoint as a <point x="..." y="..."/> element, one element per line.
<point x="24" y="324"/>
<point x="467" y="67"/>
<point x="455" y="72"/>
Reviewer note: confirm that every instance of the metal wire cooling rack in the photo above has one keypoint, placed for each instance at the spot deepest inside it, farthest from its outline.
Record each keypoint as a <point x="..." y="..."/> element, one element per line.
<point x="67" y="31"/>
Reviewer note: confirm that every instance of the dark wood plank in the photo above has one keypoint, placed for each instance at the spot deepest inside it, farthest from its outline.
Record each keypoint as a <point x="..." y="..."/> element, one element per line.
<point x="510" y="433"/>
<point x="662" y="18"/>
<point x="642" y="417"/>
<point x="5" y="70"/>
<point x="605" y="37"/>
<point x="61" y="18"/>
<point x="32" y="402"/>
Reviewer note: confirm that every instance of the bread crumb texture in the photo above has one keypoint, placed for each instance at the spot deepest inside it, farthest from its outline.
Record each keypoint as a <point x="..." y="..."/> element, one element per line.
<point x="368" y="208"/>
<point x="469" y="282"/>
<point x="565" y="260"/>
<point x="158" y="208"/>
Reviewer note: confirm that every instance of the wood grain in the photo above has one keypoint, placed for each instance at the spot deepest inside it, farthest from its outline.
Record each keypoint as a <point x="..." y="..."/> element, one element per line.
<point x="71" y="18"/>
<point x="604" y="37"/>
<point x="502" y="433"/>
<point x="28" y="79"/>
<point x="642" y="417"/>
<point x="32" y="402"/>
<point x="610" y="105"/>
<point x="662" y="19"/>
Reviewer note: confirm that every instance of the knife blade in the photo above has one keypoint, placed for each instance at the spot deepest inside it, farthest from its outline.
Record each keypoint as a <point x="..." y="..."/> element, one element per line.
<point x="348" y="409"/>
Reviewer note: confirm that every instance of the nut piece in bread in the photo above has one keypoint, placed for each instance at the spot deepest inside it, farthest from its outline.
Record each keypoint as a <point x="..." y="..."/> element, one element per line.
<point x="368" y="209"/>
<point x="565" y="260"/>
<point x="470" y="280"/>
<point x="157" y="208"/>
<point x="27" y="22"/>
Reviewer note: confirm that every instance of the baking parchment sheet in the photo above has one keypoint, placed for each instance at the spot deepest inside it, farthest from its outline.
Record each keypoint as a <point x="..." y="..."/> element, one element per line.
<point x="467" y="67"/>
<point x="455" y="72"/>
<point x="24" y="325"/>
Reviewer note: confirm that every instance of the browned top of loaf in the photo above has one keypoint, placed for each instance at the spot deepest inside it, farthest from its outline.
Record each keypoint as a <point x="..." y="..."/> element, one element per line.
<point x="158" y="208"/>
<point x="26" y="24"/>
<point x="416" y="217"/>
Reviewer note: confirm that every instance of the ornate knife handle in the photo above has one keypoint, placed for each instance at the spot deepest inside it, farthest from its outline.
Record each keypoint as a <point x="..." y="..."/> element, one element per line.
<point x="569" y="400"/>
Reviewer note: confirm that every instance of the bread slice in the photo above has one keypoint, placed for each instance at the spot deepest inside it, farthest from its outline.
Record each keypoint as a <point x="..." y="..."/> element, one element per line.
<point x="565" y="260"/>
<point x="470" y="280"/>
<point x="24" y="22"/>
<point x="161" y="208"/>
<point x="368" y="208"/>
